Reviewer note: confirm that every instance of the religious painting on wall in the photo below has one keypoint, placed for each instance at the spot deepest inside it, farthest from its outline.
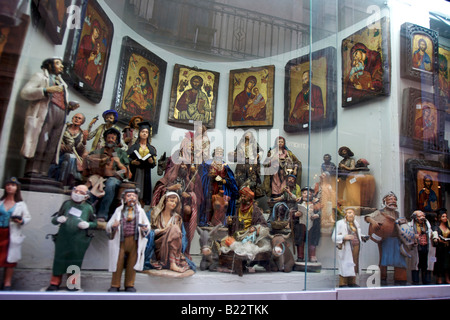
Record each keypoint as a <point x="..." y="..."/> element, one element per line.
<point x="419" y="53"/>
<point x="425" y="186"/>
<point x="193" y="97"/>
<point x="310" y="92"/>
<point x="52" y="16"/>
<point x="250" y="100"/>
<point x="366" y="65"/>
<point x="423" y="121"/>
<point x="87" y="53"/>
<point x="11" y="43"/>
<point x="140" y="84"/>
<point x="444" y="79"/>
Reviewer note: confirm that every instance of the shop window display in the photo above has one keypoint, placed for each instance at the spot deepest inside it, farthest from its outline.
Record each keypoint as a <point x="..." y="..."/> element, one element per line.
<point x="245" y="187"/>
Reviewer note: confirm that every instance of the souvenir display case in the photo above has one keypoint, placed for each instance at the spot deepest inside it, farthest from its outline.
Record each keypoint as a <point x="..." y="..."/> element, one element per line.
<point x="247" y="149"/>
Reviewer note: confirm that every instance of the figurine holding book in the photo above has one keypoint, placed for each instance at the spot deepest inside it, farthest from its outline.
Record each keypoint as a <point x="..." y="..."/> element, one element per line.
<point x="143" y="159"/>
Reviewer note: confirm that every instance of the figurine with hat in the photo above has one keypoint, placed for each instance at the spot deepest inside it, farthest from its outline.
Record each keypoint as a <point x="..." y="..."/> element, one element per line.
<point x="130" y="133"/>
<point x="111" y="117"/>
<point x="14" y="215"/>
<point x="112" y="164"/>
<point x="127" y="229"/>
<point x="142" y="157"/>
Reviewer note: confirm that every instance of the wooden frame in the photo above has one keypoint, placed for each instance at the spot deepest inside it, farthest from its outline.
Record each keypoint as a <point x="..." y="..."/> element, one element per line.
<point x="140" y="84"/>
<point x="366" y="63"/>
<point x="188" y="104"/>
<point x="257" y="111"/>
<point x="52" y="16"/>
<point x="323" y="87"/>
<point x="85" y="74"/>
<point x="444" y="79"/>
<point x="414" y="66"/>
<point x="11" y="44"/>
<point x="417" y="171"/>
<point x="422" y="131"/>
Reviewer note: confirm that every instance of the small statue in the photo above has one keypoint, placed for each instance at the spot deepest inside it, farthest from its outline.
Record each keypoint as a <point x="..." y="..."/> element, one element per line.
<point x="74" y="218"/>
<point x="305" y="220"/>
<point x="45" y="117"/>
<point x="209" y="249"/>
<point x="181" y="179"/>
<point x="165" y="247"/>
<point x="128" y="229"/>
<point x="348" y="237"/>
<point x="14" y="215"/>
<point x="279" y="164"/>
<point x="423" y="252"/>
<point x="248" y="168"/>
<point x="142" y="157"/>
<point x="327" y="165"/>
<point x="73" y="151"/>
<point x="111" y="117"/>
<point x="355" y="184"/>
<point x="110" y="163"/>
<point x="382" y="231"/>
<point x="216" y="175"/>
<point x="131" y="132"/>
<point x="348" y="163"/>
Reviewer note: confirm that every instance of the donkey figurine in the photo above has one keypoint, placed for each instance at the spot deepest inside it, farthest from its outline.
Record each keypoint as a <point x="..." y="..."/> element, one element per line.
<point x="210" y="254"/>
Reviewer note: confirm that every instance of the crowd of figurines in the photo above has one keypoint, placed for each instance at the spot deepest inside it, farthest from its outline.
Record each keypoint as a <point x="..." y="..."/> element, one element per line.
<point x="199" y="193"/>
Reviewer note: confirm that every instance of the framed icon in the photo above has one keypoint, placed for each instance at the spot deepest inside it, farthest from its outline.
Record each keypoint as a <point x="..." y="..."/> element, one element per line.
<point x="193" y="97"/>
<point x="366" y="65"/>
<point x="310" y="92"/>
<point x="140" y="84"/>
<point x="419" y="53"/>
<point x="87" y="54"/>
<point x="250" y="97"/>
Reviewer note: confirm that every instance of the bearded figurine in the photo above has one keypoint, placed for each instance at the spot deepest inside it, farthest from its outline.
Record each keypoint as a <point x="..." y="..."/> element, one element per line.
<point x="216" y="175"/>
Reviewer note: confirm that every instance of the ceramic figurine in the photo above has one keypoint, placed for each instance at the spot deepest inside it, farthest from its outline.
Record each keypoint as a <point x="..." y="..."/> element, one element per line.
<point x="382" y="230"/>
<point x="74" y="218"/>
<point x="187" y="184"/>
<point x="131" y="132"/>
<point x="306" y="223"/>
<point x="442" y="243"/>
<point x="348" y="238"/>
<point x="279" y="164"/>
<point x="111" y="117"/>
<point x="14" y="215"/>
<point x="142" y="157"/>
<point x="111" y="164"/>
<point x="165" y="249"/>
<point x="45" y="117"/>
<point x="216" y="175"/>
<point x="73" y="151"/>
<point x="127" y="229"/>
<point x="423" y="252"/>
<point x="248" y="155"/>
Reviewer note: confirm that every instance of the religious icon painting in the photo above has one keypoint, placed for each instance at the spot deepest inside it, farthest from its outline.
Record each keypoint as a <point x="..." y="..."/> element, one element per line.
<point x="423" y="121"/>
<point x="12" y="39"/>
<point x="444" y="79"/>
<point x="52" y="17"/>
<point x="425" y="185"/>
<point x="419" y="51"/>
<point x="250" y="97"/>
<point x="140" y="84"/>
<point x="87" y="53"/>
<point x="366" y="65"/>
<point x="310" y="92"/>
<point x="193" y="97"/>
